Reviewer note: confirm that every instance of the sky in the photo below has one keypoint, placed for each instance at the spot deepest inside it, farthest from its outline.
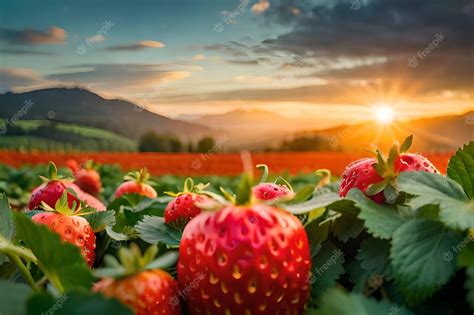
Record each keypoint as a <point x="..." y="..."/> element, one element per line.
<point x="335" y="61"/>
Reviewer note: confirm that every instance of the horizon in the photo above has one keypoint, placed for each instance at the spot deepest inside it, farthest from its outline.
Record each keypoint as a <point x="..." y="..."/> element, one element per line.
<point x="213" y="57"/>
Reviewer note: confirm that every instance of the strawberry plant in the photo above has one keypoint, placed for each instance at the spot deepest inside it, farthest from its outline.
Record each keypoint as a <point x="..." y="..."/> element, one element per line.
<point x="393" y="236"/>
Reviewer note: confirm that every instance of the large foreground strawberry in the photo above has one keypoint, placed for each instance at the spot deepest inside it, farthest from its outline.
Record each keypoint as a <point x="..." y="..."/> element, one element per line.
<point x="186" y="204"/>
<point x="86" y="177"/>
<point x="70" y="226"/>
<point x="52" y="189"/>
<point x="250" y="259"/>
<point x="136" y="183"/>
<point x="138" y="283"/>
<point x="375" y="176"/>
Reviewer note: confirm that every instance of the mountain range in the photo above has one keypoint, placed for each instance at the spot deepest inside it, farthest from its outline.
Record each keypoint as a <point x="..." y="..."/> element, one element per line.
<point x="250" y="129"/>
<point x="82" y="107"/>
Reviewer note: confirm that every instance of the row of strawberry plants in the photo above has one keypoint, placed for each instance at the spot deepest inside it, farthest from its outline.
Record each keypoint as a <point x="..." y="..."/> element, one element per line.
<point x="394" y="237"/>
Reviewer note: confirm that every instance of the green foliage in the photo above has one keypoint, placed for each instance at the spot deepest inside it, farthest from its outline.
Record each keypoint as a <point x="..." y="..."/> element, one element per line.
<point x="461" y="168"/>
<point x="422" y="257"/>
<point x="62" y="263"/>
<point x="153" y="142"/>
<point x="206" y="145"/>
<point x="408" y="257"/>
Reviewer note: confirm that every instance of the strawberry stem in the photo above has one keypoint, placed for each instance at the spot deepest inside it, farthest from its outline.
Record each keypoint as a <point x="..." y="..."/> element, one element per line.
<point x="24" y="271"/>
<point x="264" y="169"/>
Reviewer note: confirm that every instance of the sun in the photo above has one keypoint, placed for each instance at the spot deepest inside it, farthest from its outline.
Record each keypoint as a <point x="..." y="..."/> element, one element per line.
<point x="384" y="114"/>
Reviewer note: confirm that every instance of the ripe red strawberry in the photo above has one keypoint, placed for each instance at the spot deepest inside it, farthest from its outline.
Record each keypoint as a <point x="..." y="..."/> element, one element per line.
<point x="374" y="175"/>
<point x="252" y="260"/>
<point x="271" y="193"/>
<point x="71" y="227"/>
<point x="145" y="291"/>
<point x="87" y="178"/>
<point x="53" y="188"/>
<point x="136" y="183"/>
<point x="186" y="205"/>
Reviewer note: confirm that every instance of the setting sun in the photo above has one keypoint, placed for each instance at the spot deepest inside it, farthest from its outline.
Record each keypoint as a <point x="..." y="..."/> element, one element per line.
<point x="384" y="114"/>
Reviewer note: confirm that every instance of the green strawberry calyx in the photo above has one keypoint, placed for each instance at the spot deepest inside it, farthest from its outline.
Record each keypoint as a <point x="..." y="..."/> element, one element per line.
<point x="62" y="206"/>
<point x="385" y="167"/>
<point x="140" y="177"/>
<point x="131" y="261"/>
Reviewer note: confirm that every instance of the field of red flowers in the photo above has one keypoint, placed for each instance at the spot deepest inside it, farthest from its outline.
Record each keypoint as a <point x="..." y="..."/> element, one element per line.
<point x="206" y="164"/>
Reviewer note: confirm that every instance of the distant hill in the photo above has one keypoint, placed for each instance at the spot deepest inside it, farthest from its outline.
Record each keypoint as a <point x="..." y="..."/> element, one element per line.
<point x="439" y="134"/>
<point x="254" y="119"/>
<point x="82" y="107"/>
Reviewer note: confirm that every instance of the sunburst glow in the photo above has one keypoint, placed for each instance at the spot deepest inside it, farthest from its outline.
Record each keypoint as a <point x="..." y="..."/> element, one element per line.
<point x="384" y="114"/>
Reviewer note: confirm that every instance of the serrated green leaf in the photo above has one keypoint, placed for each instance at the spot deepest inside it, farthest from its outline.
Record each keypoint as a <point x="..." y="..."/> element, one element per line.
<point x="13" y="297"/>
<point x="344" y="206"/>
<point x="319" y="200"/>
<point x="461" y="168"/>
<point x="456" y="210"/>
<point x="75" y="304"/>
<point x="347" y="226"/>
<point x="326" y="269"/>
<point x="100" y="220"/>
<point x="336" y="302"/>
<point x="6" y="220"/>
<point x="303" y="195"/>
<point x="61" y="262"/>
<point x="381" y="221"/>
<point x="154" y="230"/>
<point x="422" y="256"/>
<point x="374" y="255"/>
<point x="469" y="285"/>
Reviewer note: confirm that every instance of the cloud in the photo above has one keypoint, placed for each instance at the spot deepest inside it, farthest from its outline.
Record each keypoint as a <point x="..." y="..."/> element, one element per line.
<point x="199" y="57"/>
<point x="53" y="36"/>
<point x="137" y="46"/>
<point x="17" y="52"/>
<point x="124" y="78"/>
<point x="12" y="78"/>
<point x="261" y="6"/>
<point x="250" y="62"/>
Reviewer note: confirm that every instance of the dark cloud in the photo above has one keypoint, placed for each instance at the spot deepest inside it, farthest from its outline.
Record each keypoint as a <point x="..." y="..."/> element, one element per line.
<point x="378" y="27"/>
<point x="54" y="35"/>
<point x="250" y="62"/>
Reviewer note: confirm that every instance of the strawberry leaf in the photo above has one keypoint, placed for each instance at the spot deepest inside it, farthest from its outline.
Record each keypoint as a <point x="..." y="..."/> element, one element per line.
<point x="326" y="269"/>
<point x="321" y="199"/>
<point x="456" y="210"/>
<point x="100" y="220"/>
<point x="6" y="221"/>
<point x="381" y="221"/>
<point x="337" y="302"/>
<point x="75" y="304"/>
<point x="422" y="257"/>
<point x="154" y="230"/>
<point x="62" y="263"/>
<point x="13" y="297"/>
<point x="406" y="144"/>
<point x="374" y="255"/>
<point x="347" y="226"/>
<point x="461" y="168"/>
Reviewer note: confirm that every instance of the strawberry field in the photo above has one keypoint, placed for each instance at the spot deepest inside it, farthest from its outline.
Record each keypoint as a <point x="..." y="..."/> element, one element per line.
<point x="390" y="233"/>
